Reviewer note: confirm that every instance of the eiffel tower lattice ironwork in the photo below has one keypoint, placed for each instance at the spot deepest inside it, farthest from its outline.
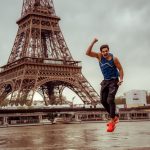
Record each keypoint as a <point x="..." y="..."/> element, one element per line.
<point x="40" y="61"/>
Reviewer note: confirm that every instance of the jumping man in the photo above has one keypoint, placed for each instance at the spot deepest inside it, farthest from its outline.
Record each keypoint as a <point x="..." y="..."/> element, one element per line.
<point x="113" y="78"/>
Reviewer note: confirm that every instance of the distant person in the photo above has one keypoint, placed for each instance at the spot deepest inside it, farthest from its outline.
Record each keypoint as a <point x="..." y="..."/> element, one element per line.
<point x="113" y="78"/>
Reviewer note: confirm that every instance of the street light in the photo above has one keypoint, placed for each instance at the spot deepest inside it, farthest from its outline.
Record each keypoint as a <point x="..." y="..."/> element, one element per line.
<point x="73" y="101"/>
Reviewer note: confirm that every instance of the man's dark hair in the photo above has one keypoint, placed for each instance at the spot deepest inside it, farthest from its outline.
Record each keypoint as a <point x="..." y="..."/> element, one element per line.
<point x="104" y="46"/>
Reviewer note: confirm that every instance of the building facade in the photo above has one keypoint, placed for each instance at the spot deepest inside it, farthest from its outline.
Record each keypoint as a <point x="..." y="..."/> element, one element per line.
<point x="135" y="98"/>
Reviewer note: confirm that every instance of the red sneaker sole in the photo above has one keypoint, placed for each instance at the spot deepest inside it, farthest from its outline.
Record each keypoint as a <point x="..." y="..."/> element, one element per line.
<point x="111" y="130"/>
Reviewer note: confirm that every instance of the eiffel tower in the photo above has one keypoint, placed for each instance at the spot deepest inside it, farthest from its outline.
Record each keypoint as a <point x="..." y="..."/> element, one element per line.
<point x="41" y="62"/>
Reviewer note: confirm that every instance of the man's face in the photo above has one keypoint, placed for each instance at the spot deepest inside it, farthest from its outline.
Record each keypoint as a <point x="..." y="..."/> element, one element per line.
<point x="105" y="52"/>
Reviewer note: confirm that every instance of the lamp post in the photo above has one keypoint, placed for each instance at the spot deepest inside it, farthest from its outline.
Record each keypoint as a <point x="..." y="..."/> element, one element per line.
<point x="73" y="101"/>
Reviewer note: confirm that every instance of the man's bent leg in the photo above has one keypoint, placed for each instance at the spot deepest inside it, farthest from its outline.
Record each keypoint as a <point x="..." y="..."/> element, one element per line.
<point x="104" y="95"/>
<point x="113" y="87"/>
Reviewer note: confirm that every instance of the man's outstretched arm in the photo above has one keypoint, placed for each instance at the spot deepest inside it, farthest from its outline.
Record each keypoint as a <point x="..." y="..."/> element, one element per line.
<point x="90" y="52"/>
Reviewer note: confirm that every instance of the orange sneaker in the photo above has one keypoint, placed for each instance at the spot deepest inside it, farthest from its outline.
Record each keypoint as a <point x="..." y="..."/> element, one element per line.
<point x="111" y="127"/>
<point x="116" y="120"/>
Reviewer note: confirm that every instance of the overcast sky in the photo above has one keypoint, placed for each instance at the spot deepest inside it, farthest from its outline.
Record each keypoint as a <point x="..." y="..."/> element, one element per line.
<point x="123" y="24"/>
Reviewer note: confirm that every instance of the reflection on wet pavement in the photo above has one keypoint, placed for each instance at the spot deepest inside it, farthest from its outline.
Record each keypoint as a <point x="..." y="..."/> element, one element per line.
<point x="84" y="136"/>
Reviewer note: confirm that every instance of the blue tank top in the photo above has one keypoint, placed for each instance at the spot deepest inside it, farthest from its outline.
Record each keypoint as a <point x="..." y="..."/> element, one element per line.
<point x="108" y="68"/>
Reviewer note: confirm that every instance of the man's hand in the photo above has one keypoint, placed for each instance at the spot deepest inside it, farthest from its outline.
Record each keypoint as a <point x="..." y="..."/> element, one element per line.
<point x="120" y="82"/>
<point x="95" y="40"/>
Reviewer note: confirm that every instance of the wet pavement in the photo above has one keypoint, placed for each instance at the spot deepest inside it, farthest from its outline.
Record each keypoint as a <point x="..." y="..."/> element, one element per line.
<point x="84" y="136"/>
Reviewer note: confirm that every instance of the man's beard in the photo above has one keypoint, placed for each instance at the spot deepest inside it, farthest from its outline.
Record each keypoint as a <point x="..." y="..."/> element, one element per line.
<point x="105" y="56"/>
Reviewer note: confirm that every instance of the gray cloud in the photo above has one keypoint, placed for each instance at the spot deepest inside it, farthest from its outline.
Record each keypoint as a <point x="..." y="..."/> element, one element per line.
<point x="123" y="24"/>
